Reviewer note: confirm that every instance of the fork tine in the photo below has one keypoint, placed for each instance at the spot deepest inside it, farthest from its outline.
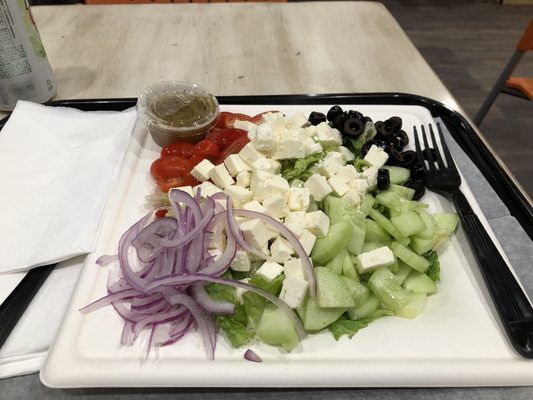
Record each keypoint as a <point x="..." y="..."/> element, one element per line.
<point x="449" y="159"/>
<point x="431" y="163"/>
<point x="440" y="161"/>
<point x="417" y="147"/>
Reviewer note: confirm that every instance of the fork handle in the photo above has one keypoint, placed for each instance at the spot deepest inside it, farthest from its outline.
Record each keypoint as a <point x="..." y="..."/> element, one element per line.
<point x="509" y="299"/>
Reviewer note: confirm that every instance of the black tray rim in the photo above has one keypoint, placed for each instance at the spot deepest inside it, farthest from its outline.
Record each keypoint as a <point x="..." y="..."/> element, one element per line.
<point x="465" y="135"/>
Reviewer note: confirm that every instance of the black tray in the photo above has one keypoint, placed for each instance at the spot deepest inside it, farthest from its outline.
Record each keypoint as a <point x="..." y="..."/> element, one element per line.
<point x="519" y="207"/>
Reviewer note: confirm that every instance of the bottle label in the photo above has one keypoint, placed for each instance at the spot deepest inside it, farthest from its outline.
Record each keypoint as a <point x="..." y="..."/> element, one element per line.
<point x="24" y="69"/>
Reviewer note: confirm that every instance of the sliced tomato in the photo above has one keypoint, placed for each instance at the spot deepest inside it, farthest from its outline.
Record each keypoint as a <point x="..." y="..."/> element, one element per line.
<point x="186" y="180"/>
<point x="225" y="137"/>
<point x="180" y="149"/>
<point x="226" y="119"/>
<point x="169" y="167"/>
<point x="207" y="149"/>
<point x="258" y="118"/>
<point x="233" y="148"/>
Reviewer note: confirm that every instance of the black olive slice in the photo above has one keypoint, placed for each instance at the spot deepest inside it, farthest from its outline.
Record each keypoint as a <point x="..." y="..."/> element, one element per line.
<point x="383" y="179"/>
<point x="392" y="125"/>
<point x="395" y="157"/>
<point x="409" y="158"/>
<point x="418" y="171"/>
<point x="316" y="118"/>
<point x="338" y="122"/>
<point x="418" y="186"/>
<point x="334" y="112"/>
<point x="353" y="114"/>
<point x="353" y="127"/>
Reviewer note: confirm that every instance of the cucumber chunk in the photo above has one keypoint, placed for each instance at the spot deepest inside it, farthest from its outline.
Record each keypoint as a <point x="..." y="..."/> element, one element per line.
<point x="337" y="263"/>
<point x="335" y="209"/>
<point x="414" y="307"/>
<point x="332" y="291"/>
<point x="410" y="257"/>
<point x="375" y="233"/>
<point x="386" y="224"/>
<point x="421" y="245"/>
<point x="337" y="238"/>
<point x="447" y="221"/>
<point x="317" y="318"/>
<point x="431" y="226"/>
<point x="398" y="175"/>
<point x="370" y="306"/>
<point x="383" y="284"/>
<point x="408" y="223"/>
<point x="403" y="191"/>
<point x="276" y="328"/>
<point x="359" y="291"/>
<point x="418" y="282"/>
<point x="403" y="271"/>
<point x="355" y="244"/>
<point x="349" y="269"/>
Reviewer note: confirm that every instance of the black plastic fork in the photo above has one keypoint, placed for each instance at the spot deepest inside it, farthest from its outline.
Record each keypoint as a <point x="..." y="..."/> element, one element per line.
<point x="512" y="304"/>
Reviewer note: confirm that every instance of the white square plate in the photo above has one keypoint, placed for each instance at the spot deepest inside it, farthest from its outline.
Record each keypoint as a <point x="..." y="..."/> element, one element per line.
<point x="457" y="341"/>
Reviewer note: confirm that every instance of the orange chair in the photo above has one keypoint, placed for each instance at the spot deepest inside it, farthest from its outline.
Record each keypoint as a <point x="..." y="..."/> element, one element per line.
<point x="508" y="84"/>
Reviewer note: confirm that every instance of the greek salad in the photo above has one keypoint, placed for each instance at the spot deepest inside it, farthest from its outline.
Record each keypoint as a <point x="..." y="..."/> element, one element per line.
<point x="278" y="226"/>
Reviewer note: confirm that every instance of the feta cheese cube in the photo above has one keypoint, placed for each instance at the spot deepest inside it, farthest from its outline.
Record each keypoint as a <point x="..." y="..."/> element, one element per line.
<point x="318" y="186"/>
<point x="360" y="186"/>
<point x="293" y="292"/>
<point x="347" y="155"/>
<point x="272" y="117"/>
<point x="264" y="138"/>
<point x="243" y="178"/>
<point x="371" y="175"/>
<point x="337" y="184"/>
<point x="263" y="185"/>
<point x="248" y="126"/>
<point x="267" y="165"/>
<point x="276" y="206"/>
<point x="327" y="135"/>
<point x="254" y="205"/>
<point x="352" y="197"/>
<point x="377" y="258"/>
<point x="238" y="194"/>
<point x="299" y="199"/>
<point x="216" y="238"/>
<point x="348" y="173"/>
<point x="249" y="153"/>
<point x="281" y="250"/>
<point x="376" y="156"/>
<point x="235" y="164"/>
<point x="255" y="232"/>
<point x="293" y="268"/>
<point x="307" y="240"/>
<point x="269" y="271"/>
<point x="331" y="163"/>
<point x="207" y="189"/>
<point x="317" y="223"/>
<point x="295" y="222"/>
<point x="309" y="131"/>
<point x="241" y="262"/>
<point x="297" y="120"/>
<point x="289" y="146"/>
<point x="221" y="177"/>
<point x="202" y="170"/>
<point x="240" y="291"/>
<point x="310" y="146"/>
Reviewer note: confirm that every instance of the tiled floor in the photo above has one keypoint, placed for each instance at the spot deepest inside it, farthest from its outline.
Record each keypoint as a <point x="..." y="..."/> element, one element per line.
<point x="467" y="43"/>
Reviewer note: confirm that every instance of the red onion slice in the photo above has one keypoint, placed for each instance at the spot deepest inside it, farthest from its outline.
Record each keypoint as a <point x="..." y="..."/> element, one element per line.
<point x="251" y="355"/>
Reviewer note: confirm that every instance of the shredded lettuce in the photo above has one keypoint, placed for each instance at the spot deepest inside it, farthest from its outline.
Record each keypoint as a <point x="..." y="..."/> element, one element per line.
<point x="299" y="168"/>
<point x="255" y="304"/>
<point x="349" y="327"/>
<point x="434" y="268"/>
<point x="355" y="145"/>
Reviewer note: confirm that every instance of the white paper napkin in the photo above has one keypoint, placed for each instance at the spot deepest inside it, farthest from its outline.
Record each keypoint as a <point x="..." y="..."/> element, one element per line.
<point x="26" y="348"/>
<point x="57" y="166"/>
